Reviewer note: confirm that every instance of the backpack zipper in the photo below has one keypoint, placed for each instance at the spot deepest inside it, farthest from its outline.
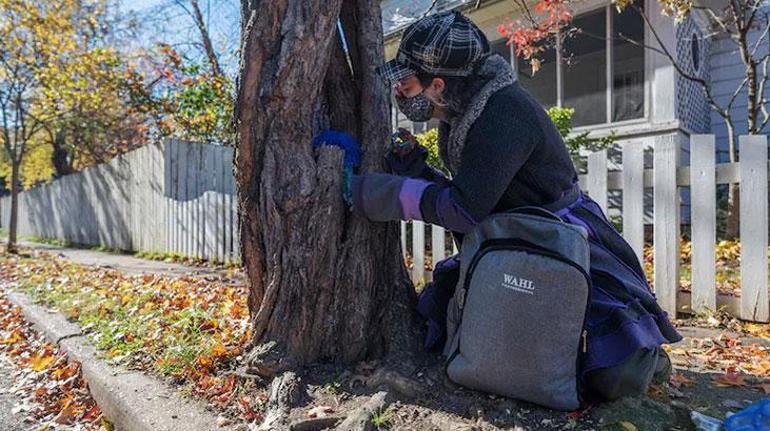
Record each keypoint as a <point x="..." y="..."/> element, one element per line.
<point x="519" y="245"/>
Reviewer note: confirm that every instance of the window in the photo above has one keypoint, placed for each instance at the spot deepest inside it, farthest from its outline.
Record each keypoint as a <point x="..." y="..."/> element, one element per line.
<point x="585" y="70"/>
<point x="501" y="47"/>
<point x="541" y="85"/>
<point x="601" y="77"/>
<point x="627" y="65"/>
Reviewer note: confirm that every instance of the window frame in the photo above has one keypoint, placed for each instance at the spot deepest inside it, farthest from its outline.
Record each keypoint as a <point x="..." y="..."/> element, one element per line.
<point x="584" y="9"/>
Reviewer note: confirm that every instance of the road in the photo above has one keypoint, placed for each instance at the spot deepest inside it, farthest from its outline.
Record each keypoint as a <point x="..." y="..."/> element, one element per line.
<point x="9" y="421"/>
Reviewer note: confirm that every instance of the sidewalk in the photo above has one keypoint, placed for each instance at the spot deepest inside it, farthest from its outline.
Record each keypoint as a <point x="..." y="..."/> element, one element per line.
<point x="123" y="262"/>
<point x="8" y="420"/>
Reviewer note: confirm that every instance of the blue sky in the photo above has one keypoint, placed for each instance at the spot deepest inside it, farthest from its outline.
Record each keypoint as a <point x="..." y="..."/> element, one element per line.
<point x="165" y="20"/>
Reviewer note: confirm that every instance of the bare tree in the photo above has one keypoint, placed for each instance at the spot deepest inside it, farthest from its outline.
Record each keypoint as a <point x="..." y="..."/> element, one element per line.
<point x="195" y="13"/>
<point x="736" y="20"/>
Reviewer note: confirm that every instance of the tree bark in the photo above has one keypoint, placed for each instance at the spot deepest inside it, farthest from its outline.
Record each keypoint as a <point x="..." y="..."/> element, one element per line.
<point x="60" y="157"/>
<point x="732" y="225"/>
<point x="14" y="216"/>
<point x="324" y="285"/>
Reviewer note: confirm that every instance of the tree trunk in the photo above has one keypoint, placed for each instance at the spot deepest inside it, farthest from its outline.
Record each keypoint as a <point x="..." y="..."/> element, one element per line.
<point x="324" y="285"/>
<point x="60" y="157"/>
<point x="732" y="225"/>
<point x="14" y="216"/>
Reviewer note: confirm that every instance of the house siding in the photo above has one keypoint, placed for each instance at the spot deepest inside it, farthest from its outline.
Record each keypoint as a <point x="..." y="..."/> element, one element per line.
<point x="692" y="109"/>
<point x="727" y="72"/>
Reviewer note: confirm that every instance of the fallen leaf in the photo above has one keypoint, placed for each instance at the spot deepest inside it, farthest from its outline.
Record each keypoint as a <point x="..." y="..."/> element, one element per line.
<point x="729" y="379"/>
<point x="319" y="412"/>
<point x="15" y="337"/>
<point x="678" y="380"/>
<point x="628" y="426"/>
<point x="41" y="362"/>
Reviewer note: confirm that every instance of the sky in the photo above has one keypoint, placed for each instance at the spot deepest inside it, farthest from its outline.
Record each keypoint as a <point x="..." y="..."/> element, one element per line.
<point x="165" y="20"/>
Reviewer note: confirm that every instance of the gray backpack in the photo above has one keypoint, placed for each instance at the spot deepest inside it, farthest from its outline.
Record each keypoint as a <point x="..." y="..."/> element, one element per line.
<point x="515" y="323"/>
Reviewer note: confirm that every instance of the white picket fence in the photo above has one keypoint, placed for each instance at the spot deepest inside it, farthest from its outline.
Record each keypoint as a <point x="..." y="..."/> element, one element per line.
<point x="667" y="178"/>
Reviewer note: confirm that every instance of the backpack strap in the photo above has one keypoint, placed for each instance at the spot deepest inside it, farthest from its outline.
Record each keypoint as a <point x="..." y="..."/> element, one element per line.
<point x="536" y="211"/>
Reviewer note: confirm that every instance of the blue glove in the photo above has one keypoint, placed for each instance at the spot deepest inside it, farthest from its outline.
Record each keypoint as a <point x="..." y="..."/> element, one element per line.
<point x="755" y="417"/>
<point x="351" y="161"/>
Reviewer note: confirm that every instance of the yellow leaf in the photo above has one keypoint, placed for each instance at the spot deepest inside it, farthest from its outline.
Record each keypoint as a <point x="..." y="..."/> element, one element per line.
<point x="219" y="350"/>
<point x="205" y="362"/>
<point x="107" y="424"/>
<point x="12" y="339"/>
<point x="628" y="426"/>
<point x="41" y="362"/>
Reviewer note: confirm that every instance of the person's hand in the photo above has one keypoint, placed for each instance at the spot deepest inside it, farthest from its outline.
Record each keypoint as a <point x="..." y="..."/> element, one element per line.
<point x="402" y="142"/>
<point x="406" y="156"/>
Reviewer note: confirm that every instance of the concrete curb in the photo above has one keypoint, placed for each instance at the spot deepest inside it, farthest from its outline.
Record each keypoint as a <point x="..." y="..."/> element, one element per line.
<point x="132" y="400"/>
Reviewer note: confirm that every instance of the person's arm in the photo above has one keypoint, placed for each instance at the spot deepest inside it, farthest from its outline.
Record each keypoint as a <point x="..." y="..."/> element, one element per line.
<point x="412" y="162"/>
<point x="497" y="146"/>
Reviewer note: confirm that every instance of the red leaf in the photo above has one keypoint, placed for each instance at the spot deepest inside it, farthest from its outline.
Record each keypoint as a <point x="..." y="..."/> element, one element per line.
<point x="729" y="379"/>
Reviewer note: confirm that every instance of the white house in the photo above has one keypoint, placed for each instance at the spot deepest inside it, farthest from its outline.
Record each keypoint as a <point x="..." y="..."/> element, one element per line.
<point x="614" y="85"/>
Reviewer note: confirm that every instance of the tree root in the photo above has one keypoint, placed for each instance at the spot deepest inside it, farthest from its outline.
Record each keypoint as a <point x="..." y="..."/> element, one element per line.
<point x="268" y="360"/>
<point x="285" y="391"/>
<point x="316" y="424"/>
<point x="360" y="419"/>
<point x="390" y="379"/>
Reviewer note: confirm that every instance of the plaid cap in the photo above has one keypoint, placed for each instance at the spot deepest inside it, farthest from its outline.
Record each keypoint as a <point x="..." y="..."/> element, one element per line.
<point x="445" y="43"/>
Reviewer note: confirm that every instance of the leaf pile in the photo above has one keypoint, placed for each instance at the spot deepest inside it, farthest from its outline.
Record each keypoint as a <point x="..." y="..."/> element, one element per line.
<point x="55" y="394"/>
<point x="190" y="331"/>
<point x="735" y="362"/>
<point x="728" y="262"/>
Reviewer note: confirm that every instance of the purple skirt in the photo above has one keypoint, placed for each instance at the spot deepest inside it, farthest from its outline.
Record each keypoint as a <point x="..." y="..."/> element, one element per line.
<point x="623" y="314"/>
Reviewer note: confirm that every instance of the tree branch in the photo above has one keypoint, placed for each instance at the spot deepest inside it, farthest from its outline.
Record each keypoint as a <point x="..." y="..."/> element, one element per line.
<point x="431" y="6"/>
<point x="761" y="38"/>
<point x="735" y="93"/>
<point x="762" y="87"/>
<point x="717" y="19"/>
<point x="205" y="37"/>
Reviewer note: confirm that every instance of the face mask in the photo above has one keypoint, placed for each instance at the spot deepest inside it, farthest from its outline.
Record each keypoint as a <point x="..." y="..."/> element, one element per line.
<point x="417" y="108"/>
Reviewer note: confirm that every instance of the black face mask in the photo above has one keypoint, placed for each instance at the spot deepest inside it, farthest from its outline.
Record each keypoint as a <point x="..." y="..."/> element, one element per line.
<point x="417" y="108"/>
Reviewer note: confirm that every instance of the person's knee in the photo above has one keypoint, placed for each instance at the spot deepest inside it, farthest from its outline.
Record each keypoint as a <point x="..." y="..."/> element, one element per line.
<point x="632" y="377"/>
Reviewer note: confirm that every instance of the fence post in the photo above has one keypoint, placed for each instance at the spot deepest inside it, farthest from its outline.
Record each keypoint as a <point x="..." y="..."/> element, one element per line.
<point x="597" y="178"/>
<point x="703" y="215"/>
<point x="633" y="196"/>
<point x="753" y="222"/>
<point x="438" y="244"/>
<point x="418" y="251"/>
<point x="403" y="239"/>
<point x="666" y="236"/>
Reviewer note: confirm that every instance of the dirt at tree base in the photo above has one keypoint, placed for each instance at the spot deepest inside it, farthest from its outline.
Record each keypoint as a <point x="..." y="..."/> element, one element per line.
<point x="336" y="391"/>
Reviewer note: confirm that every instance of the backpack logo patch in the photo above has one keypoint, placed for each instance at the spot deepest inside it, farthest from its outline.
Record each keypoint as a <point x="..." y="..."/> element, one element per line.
<point x="518" y="284"/>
